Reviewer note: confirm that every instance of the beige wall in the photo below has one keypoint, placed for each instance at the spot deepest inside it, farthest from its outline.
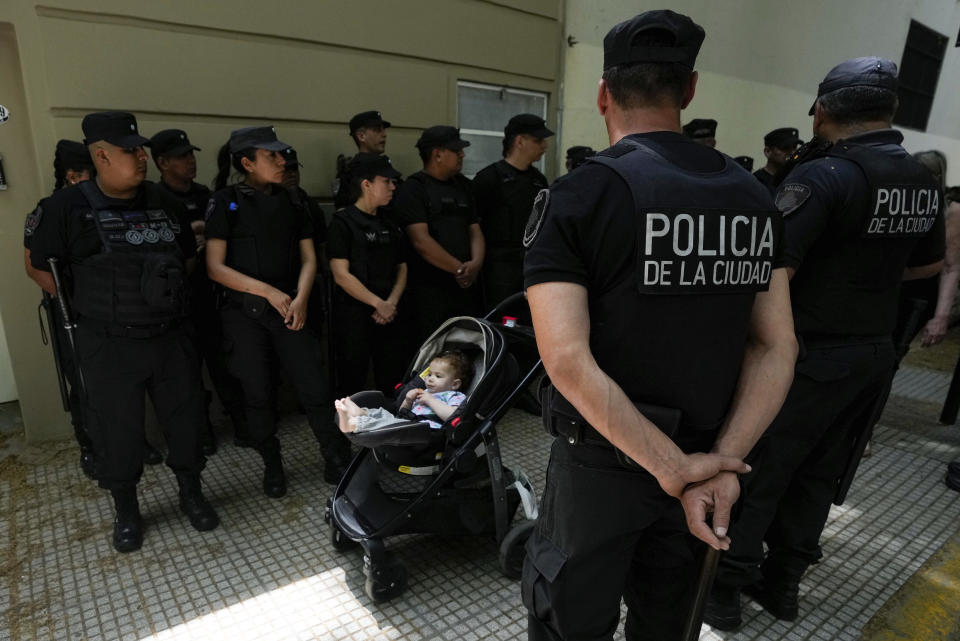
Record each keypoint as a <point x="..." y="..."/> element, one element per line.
<point x="761" y="62"/>
<point x="209" y="67"/>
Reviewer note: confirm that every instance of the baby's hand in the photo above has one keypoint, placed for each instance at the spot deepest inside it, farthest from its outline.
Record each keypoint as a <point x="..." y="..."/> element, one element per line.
<point x="425" y="397"/>
<point x="411" y="396"/>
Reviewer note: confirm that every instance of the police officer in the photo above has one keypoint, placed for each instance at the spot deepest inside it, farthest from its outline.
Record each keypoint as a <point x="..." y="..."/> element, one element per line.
<point x="633" y="273"/>
<point x="173" y="155"/>
<point x="368" y="264"/>
<point x="778" y="146"/>
<point x="369" y="132"/>
<point x="505" y="191"/>
<point x="703" y="130"/>
<point x="860" y="215"/>
<point x="291" y="181"/>
<point x="436" y="208"/>
<point x="260" y="249"/>
<point x="127" y="246"/>
<point x="71" y="165"/>
<point x="577" y="155"/>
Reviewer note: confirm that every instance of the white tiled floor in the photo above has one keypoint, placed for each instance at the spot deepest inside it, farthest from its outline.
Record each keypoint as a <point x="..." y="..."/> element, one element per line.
<point x="269" y="571"/>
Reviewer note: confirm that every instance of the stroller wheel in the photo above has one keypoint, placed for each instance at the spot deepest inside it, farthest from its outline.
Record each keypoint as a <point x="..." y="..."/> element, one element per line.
<point x="386" y="581"/>
<point x="513" y="549"/>
<point x="339" y="540"/>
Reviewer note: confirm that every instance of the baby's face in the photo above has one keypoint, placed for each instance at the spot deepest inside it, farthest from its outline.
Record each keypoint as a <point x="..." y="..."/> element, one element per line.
<point x="440" y="378"/>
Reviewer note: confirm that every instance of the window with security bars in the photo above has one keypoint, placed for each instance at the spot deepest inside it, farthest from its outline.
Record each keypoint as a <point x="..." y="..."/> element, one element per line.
<point x="483" y="112"/>
<point x="919" y="72"/>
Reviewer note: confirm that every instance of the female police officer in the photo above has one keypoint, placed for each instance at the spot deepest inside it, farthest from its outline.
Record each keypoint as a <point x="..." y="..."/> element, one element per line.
<point x="260" y="249"/>
<point x="370" y="270"/>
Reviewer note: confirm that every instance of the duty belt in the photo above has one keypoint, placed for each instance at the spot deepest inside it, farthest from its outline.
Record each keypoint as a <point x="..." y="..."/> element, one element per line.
<point x="134" y="331"/>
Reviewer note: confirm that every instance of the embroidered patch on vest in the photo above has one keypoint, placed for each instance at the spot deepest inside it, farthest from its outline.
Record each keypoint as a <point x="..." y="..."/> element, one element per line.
<point x="791" y="196"/>
<point x="33" y="221"/>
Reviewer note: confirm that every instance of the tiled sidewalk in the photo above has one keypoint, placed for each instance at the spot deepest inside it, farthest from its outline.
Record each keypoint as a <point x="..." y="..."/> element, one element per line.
<point x="269" y="572"/>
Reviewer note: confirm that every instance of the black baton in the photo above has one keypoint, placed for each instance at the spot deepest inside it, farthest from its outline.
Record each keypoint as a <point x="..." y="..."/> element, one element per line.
<point x="47" y="305"/>
<point x="691" y="631"/>
<point x="68" y="325"/>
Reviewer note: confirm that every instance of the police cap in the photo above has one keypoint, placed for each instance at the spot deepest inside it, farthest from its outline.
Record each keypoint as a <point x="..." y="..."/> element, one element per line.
<point x="869" y="71"/>
<point x="255" y="138"/>
<point x="73" y="154"/>
<point x="290" y="159"/>
<point x="529" y="124"/>
<point x="442" y="136"/>
<point x="171" y="142"/>
<point x="115" y="127"/>
<point x="620" y="46"/>
<point x="782" y="138"/>
<point x="366" y="165"/>
<point x="744" y="161"/>
<point x="367" y="119"/>
<point x="700" y="128"/>
<point x="579" y="152"/>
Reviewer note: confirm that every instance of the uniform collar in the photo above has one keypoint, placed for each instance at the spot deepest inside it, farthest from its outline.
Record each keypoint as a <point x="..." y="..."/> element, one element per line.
<point x="247" y="190"/>
<point x="878" y="137"/>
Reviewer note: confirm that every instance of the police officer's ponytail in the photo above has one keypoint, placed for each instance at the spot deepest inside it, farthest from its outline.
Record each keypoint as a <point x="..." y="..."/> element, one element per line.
<point x="70" y="156"/>
<point x="59" y="171"/>
<point x="224" y="161"/>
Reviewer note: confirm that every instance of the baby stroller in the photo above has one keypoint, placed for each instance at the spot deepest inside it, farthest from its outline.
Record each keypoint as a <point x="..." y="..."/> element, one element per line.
<point x="411" y="478"/>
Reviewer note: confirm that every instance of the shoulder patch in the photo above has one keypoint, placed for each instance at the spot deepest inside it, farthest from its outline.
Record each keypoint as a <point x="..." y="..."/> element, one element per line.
<point x="211" y="205"/>
<point x="791" y="196"/>
<point x="33" y="221"/>
<point x="535" y="221"/>
<point x="619" y="149"/>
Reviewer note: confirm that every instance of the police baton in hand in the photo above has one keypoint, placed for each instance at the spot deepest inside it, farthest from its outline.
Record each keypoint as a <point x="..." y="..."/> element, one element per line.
<point x="68" y="325"/>
<point x="47" y="305"/>
<point x="691" y="631"/>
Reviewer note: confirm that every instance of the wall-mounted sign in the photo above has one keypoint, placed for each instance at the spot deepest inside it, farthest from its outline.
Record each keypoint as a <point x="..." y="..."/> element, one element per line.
<point x="4" y="114"/>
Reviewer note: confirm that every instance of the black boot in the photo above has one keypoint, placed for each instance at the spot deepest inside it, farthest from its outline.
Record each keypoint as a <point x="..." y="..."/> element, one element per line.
<point x="127" y="526"/>
<point x="274" y="479"/>
<point x="779" y="590"/>
<point x="722" y="610"/>
<point x="209" y="441"/>
<point x="194" y="505"/>
<point x="151" y="455"/>
<point x="953" y="476"/>
<point x="87" y="462"/>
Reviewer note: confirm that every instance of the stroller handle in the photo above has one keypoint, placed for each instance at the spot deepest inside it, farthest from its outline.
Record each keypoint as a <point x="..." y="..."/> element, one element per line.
<point x="514" y="302"/>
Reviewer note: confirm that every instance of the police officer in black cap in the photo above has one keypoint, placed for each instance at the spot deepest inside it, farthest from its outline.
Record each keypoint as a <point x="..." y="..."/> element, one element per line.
<point x="778" y="146"/>
<point x="369" y="132"/>
<point x="664" y="325"/>
<point x="128" y="246"/>
<point x="744" y="161"/>
<point x="577" y="155"/>
<point x="436" y="208"/>
<point x="505" y="191"/>
<point x="703" y="130"/>
<point x="860" y="215"/>
<point x="173" y="155"/>
<point x="71" y="165"/>
<point x="291" y="180"/>
<point x="260" y="249"/>
<point x="368" y="264"/>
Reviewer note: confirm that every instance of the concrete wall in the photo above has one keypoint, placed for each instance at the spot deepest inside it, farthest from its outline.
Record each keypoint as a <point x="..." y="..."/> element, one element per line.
<point x="761" y="62"/>
<point x="209" y="67"/>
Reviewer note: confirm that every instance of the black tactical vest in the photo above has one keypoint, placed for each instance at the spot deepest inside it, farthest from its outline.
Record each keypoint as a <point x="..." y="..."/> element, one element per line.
<point x="371" y="240"/>
<point x="138" y="276"/>
<point x="672" y="330"/>
<point x="503" y="228"/>
<point x="449" y="216"/>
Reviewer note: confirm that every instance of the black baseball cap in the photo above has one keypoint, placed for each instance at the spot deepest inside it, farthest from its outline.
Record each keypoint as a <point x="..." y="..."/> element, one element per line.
<point x="869" y="71"/>
<point x="290" y="157"/>
<point x="255" y="138"/>
<point x="73" y="154"/>
<point x="783" y="137"/>
<point x="620" y="48"/>
<point x="366" y="165"/>
<point x="367" y="119"/>
<point x="700" y="128"/>
<point x="580" y="151"/>
<point x="115" y="127"/>
<point x="529" y="124"/>
<point x="442" y="136"/>
<point x="171" y="142"/>
<point x="744" y="161"/>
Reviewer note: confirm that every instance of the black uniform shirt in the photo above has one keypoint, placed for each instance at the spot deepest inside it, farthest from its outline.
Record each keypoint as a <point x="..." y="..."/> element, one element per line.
<point x="66" y="229"/>
<point x="31" y="223"/>
<point x="194" y="199"/>
<point x="846" y="284"/>
<point x="504" y="198"/>
<point x="766" y="179"/>
<point x="382" y="249"/>
<point x="448" y="208"/>
<point x="263" y="231"/>
<point x="680" y="351"/>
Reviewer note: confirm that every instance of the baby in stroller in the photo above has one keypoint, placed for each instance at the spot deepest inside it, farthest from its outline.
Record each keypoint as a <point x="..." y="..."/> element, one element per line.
<point x="447" y="372"/>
